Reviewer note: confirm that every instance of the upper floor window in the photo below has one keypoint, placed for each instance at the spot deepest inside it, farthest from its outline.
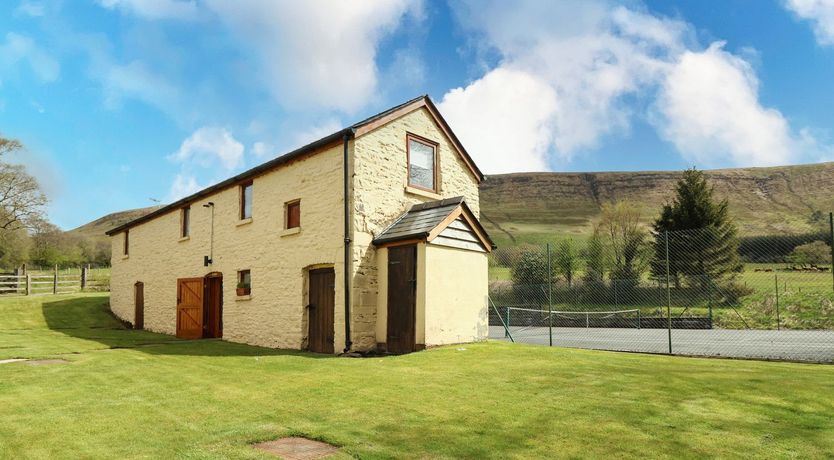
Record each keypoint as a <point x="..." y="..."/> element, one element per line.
<point x="293" y="214"/>
<point x="422" y="163"/>
<point x="185" y="222"/>
<point x="127" y="242"/>
<point x="246" y="201"/>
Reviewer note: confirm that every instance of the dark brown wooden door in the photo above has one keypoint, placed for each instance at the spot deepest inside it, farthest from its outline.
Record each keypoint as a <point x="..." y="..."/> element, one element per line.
<point x="139" y="299"/>
<point x="213" y="313"/>
<point x="190" y="308"/>
<point x="402" y="298"/>
<point x="320" y="310"/>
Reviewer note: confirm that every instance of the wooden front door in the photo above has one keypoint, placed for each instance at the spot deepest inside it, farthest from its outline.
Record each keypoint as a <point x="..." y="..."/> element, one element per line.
<point x="402" y="298"/>
<point x="139" y="300"/>
<point x="213" y="313"/>
<point x="320" y="310"/>
<point x="190" y="308"/>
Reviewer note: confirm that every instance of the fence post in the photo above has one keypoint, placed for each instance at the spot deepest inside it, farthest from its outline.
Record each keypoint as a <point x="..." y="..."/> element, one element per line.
<point x="616" y="300"/>
<point x="668" y="294"/>
<point x="549" y="297"/>
<point x="507" y="332"/>
<point x="709" y="301"/>
<point x="831" y="234"/>
<point x="778" y="319"/>
<point x="28" y="284"/>
<point x="55" y="280"/>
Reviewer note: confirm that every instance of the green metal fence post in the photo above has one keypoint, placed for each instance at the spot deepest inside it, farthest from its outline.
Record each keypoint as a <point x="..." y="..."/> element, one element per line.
<point x="549" y="297"/>
<point x="778" y="319"/>
<point x="709" y="301"/>
<point x="831" y="234"/>
<point x="507" y="331"/>
<point x="668" y="294"/>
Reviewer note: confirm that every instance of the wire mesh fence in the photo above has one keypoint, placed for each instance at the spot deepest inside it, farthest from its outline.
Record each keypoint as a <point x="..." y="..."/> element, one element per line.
<point x="697" y="292"/>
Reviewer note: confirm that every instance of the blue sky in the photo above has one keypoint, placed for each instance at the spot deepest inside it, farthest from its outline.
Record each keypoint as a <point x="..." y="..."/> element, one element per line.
<point x="121" y="102"/>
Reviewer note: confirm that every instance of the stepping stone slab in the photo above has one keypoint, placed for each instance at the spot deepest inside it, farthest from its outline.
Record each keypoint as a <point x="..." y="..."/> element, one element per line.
<point x="297" y="448"/>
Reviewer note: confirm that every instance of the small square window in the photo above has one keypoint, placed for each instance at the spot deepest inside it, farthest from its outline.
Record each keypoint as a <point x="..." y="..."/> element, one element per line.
<point x="246" y="201"/>
<point x="244" y="282"/>
<point x="293" y="214"/>
<point x="422" y="163"/>
<point x="185" y="222"/>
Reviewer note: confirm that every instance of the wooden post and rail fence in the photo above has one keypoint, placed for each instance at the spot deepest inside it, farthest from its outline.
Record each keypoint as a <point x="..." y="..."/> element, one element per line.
<point x="41" y="282"/>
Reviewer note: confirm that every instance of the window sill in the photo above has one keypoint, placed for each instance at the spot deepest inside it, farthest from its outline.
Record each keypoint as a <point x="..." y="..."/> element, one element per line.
<point x="125" y="257"/>
<point x="291" y="231"/>
<point x="244" y="222"/>
<point x="184" y="238"/>
<point x="243" y="298"/>
<point x="421" y="192"/>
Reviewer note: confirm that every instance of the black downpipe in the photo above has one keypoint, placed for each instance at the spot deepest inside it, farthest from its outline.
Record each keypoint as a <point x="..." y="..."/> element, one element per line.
<point x="348" y="342"/>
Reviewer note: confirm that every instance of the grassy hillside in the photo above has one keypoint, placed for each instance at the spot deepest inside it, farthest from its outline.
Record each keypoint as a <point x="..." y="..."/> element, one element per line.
<point x="95" y="230"/>
<point x="535" y="207"/>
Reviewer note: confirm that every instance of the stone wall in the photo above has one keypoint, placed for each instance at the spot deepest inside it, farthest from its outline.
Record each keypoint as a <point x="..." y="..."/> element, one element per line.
<point x="274" y="315"/>
<point x="381" y="194"/>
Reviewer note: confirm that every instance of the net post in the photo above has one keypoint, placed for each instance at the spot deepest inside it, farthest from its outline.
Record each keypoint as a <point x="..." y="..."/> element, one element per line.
<point x="507" y="330"/>
<point x="709" y="300"/>
<point x="638" y="319"/>
<point x="668" y="294"/>
<point x="549" y="297"/>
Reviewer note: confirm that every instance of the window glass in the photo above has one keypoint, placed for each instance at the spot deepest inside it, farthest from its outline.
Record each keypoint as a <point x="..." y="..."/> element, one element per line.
<point x="186" y="221"/>
<point x="244" y="278"/>
<point x="421" y="164"/>
<point x="246" y="201"/>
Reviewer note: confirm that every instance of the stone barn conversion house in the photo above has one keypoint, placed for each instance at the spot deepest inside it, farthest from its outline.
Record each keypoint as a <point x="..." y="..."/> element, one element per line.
<point x="365" y="239"/>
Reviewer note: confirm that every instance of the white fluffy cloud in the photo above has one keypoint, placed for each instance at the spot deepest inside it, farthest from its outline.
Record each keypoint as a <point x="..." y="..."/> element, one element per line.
<point x="18" y="49"/>
<point x="710" y="109"/>
<point x="514" y="138"/>
<point x="318" y="54"/>
<point x="569" y="74"/>
<point x="821" y="15"/>
<point x="210" y="145"/>
<point x="155" y="9"/>
<point x="203" y="151"/>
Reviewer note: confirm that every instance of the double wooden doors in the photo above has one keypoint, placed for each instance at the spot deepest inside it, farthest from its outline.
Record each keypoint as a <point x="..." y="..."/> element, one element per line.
<point x="320" y="310"/>
<point x="199" y="307"/>
<point x="402" y="298"/>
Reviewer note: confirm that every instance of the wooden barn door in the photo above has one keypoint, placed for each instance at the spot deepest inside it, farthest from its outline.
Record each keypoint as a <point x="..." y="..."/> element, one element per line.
<point x="213" y="315"/>
<point x="402" y="298"/>
<point x="139" y="308"/>
<point x="190" y="308"/>
<point x="320" y="310"/>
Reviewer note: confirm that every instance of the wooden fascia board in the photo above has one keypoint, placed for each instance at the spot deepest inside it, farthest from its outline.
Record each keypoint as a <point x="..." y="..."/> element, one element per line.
<point x="465" y="214"/>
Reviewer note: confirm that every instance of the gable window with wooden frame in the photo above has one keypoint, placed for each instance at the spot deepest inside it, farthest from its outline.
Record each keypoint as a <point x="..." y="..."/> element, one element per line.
<point x="127" y="243"/>
<point x="422" y="163"/>
<point x="185" y="222"/>
<point x="246" y="201"/>
<point x="244" y="283"/>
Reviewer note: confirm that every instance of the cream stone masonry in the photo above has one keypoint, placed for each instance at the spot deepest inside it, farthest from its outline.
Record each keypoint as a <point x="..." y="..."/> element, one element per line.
<point x="275" y="316"/>
<point x="381" y="194"/>
<point x="451" y="283"/>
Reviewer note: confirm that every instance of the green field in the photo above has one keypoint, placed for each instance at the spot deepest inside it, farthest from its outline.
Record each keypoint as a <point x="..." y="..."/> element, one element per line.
<point x="135" y="394"/>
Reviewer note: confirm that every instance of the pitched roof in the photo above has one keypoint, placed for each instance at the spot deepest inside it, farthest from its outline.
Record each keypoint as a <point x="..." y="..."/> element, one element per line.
<point x="425" y="221"/>
<point x="357" y="129"/>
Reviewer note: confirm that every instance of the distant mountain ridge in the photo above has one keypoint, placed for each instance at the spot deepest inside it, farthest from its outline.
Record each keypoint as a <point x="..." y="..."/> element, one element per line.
<point x="543" y="206"/>
<point x="540" y="206"/>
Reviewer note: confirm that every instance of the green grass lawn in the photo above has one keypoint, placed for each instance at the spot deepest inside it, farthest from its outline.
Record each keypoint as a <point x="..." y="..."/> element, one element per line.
<point x="133" y="394"/>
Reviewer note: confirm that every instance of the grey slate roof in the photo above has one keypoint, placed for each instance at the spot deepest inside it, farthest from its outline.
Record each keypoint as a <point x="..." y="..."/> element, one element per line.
<point x="419" y="221"/>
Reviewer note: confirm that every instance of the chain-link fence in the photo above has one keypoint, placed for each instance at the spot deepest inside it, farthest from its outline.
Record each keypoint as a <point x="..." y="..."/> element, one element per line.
<point x="702" y="292"/>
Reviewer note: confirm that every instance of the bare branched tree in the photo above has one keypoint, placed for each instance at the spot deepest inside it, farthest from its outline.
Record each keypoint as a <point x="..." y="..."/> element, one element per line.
<point x="22" y="201"/>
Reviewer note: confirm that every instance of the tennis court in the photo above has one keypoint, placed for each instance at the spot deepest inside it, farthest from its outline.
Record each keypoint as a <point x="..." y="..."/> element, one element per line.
<point x="815" y="346"/>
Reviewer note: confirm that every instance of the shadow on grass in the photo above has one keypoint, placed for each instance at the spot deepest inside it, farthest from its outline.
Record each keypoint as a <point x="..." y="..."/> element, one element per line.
<point x="90" y="318"/>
